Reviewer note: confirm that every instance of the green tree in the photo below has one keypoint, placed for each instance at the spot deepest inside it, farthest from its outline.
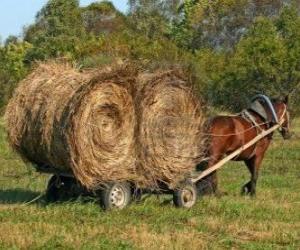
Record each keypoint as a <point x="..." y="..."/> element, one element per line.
<point x="153" y="18"/>
<point x="288" y="24"/>
<point x="12" y="68"/>
<point x="57" y="30"/>
<point x="219" y="24"/>
<point x="256" y="66"/>
<point x="11" y="39"/>
<point x="102" y="18"/>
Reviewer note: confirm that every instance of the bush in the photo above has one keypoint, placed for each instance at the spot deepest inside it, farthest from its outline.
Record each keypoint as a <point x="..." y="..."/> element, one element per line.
<point x="13" y="68"/>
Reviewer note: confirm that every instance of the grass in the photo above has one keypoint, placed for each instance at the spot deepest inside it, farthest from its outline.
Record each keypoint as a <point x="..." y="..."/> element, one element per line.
<point x="270" y="221"/>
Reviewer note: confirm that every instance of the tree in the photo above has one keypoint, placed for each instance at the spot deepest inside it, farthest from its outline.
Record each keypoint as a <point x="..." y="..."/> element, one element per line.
<point x="153" y="18"/>
<point x="57" y="30"/>
<point x="220" y="24"/>
<point x="288" y="25"/>
<point x="102" y="18"/>
<point x="12" y="68"/>
<point x="256" y="66"/>
<point x="11" y="39"/>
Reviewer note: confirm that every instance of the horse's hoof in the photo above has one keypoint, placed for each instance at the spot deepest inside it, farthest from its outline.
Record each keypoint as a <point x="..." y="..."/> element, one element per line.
<point x="205" y="187"/>
<point x="244" y="190"/>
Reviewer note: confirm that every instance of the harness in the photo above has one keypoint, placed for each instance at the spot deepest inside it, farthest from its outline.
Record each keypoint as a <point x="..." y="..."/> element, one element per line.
<point x="250" y="118"/>
<point x="259" y="109"/>
<point x="267" y="101"/>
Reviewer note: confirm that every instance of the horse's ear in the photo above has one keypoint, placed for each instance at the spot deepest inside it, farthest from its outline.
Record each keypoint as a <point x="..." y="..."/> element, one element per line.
<point x="286" y="99"/>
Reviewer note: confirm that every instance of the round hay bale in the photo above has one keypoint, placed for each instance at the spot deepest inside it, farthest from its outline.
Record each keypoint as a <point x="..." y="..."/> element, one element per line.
<point x="77" y="122"/>
<point x="170" y="142"/>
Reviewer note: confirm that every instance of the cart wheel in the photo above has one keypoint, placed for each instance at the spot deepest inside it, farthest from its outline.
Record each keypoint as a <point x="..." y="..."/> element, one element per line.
<point x="60" y="188"/>
<point x="185" y="196"/>
<point x="116" y="196"/>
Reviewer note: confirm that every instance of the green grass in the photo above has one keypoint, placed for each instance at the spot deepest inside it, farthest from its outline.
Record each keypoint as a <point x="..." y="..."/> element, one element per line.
<point x="269" y="221"/>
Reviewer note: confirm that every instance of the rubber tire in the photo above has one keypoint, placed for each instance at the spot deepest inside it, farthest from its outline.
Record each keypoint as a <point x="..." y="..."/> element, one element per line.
<point x="179" y="195"/>
<point x="106" y="195"/>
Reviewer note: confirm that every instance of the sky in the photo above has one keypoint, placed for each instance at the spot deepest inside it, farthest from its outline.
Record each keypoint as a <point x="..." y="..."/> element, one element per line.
<point x="15" y="14"/>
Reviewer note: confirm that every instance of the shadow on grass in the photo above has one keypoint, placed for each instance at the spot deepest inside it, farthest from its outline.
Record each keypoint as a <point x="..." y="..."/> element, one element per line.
<point x="17" y="196"/>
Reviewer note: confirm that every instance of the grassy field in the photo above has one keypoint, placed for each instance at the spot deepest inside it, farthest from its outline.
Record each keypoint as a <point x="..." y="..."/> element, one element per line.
<point x="270" y="221"/>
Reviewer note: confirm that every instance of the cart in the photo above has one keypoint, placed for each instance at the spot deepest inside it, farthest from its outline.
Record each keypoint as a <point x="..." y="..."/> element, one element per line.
<point x="117" y="195"/>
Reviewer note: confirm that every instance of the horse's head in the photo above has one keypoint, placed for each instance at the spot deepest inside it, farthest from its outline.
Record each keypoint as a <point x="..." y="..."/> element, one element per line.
<point x="281" y="108"/>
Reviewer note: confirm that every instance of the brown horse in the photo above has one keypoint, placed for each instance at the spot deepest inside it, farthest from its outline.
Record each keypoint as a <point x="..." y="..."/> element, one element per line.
<point x="228" y="133"/>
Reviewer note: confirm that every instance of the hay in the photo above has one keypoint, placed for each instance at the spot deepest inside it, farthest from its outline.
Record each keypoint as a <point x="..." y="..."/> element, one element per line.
<point x="170" y="144"/>
<point x="107" y="125"/>
<point x="80" y="122"/>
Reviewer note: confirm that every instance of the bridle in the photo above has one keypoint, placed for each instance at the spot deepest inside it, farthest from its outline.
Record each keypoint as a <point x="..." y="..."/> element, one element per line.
<point x="281" y="120"/>
<point x="246" y="115"/>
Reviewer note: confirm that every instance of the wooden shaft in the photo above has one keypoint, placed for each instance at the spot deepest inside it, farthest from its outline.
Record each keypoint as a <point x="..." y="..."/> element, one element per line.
<point x="235" y="153"/>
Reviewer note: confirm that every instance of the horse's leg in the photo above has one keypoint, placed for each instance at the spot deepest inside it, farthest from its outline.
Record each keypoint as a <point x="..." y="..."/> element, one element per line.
<point x="253" y="165"/>
<point x="213" y="177"/>
<point x="257" y="163"/>
<point x="247" y="188"/>
<point x="209" y="184"/>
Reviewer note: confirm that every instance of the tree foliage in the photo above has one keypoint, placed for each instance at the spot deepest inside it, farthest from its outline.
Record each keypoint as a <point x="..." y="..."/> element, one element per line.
<point x="153" y="18"/>
<point x="102" y="18"/>
<point x="266" y="60"/>
<point x="220" y="24"/>
<point x="233" y="49"/>
<point x="12" y="67"/>
<point x="57" y="30"/>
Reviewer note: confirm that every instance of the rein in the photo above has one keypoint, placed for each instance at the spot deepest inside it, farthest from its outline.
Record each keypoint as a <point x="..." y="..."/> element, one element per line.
<point x="281" y="118"/>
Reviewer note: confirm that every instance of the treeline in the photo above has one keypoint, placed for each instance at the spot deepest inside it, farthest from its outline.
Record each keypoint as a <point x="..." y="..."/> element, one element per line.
<point x="232" y="49"/>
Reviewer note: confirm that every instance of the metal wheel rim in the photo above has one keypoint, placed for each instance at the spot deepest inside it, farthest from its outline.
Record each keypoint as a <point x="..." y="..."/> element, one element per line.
<point x="188" y="197"/>
<point x="118" y="197"/>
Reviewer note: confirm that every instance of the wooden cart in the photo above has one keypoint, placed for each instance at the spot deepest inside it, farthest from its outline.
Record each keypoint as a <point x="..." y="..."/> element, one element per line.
<point x="117" y="195"/>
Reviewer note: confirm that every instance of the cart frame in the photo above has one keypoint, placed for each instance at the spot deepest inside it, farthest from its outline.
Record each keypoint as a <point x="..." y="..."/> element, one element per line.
<point x="184" y="194"/>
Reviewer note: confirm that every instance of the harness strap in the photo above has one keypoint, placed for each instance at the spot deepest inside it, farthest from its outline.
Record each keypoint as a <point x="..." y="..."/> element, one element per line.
<point x="247" y="116"/>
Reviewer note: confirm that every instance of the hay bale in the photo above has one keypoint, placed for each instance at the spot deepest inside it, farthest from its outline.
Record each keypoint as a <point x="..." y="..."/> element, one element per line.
<point x="101" y="126"/>
<point x="170" y="143"/>
<point x="80" y="122"/>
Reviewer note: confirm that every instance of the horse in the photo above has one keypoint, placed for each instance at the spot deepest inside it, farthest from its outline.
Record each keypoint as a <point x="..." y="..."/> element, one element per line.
<point x="228" y="133"/>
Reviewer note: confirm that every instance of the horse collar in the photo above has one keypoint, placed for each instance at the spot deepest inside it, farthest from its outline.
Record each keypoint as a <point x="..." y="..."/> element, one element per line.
<point x="269" y="104"/>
